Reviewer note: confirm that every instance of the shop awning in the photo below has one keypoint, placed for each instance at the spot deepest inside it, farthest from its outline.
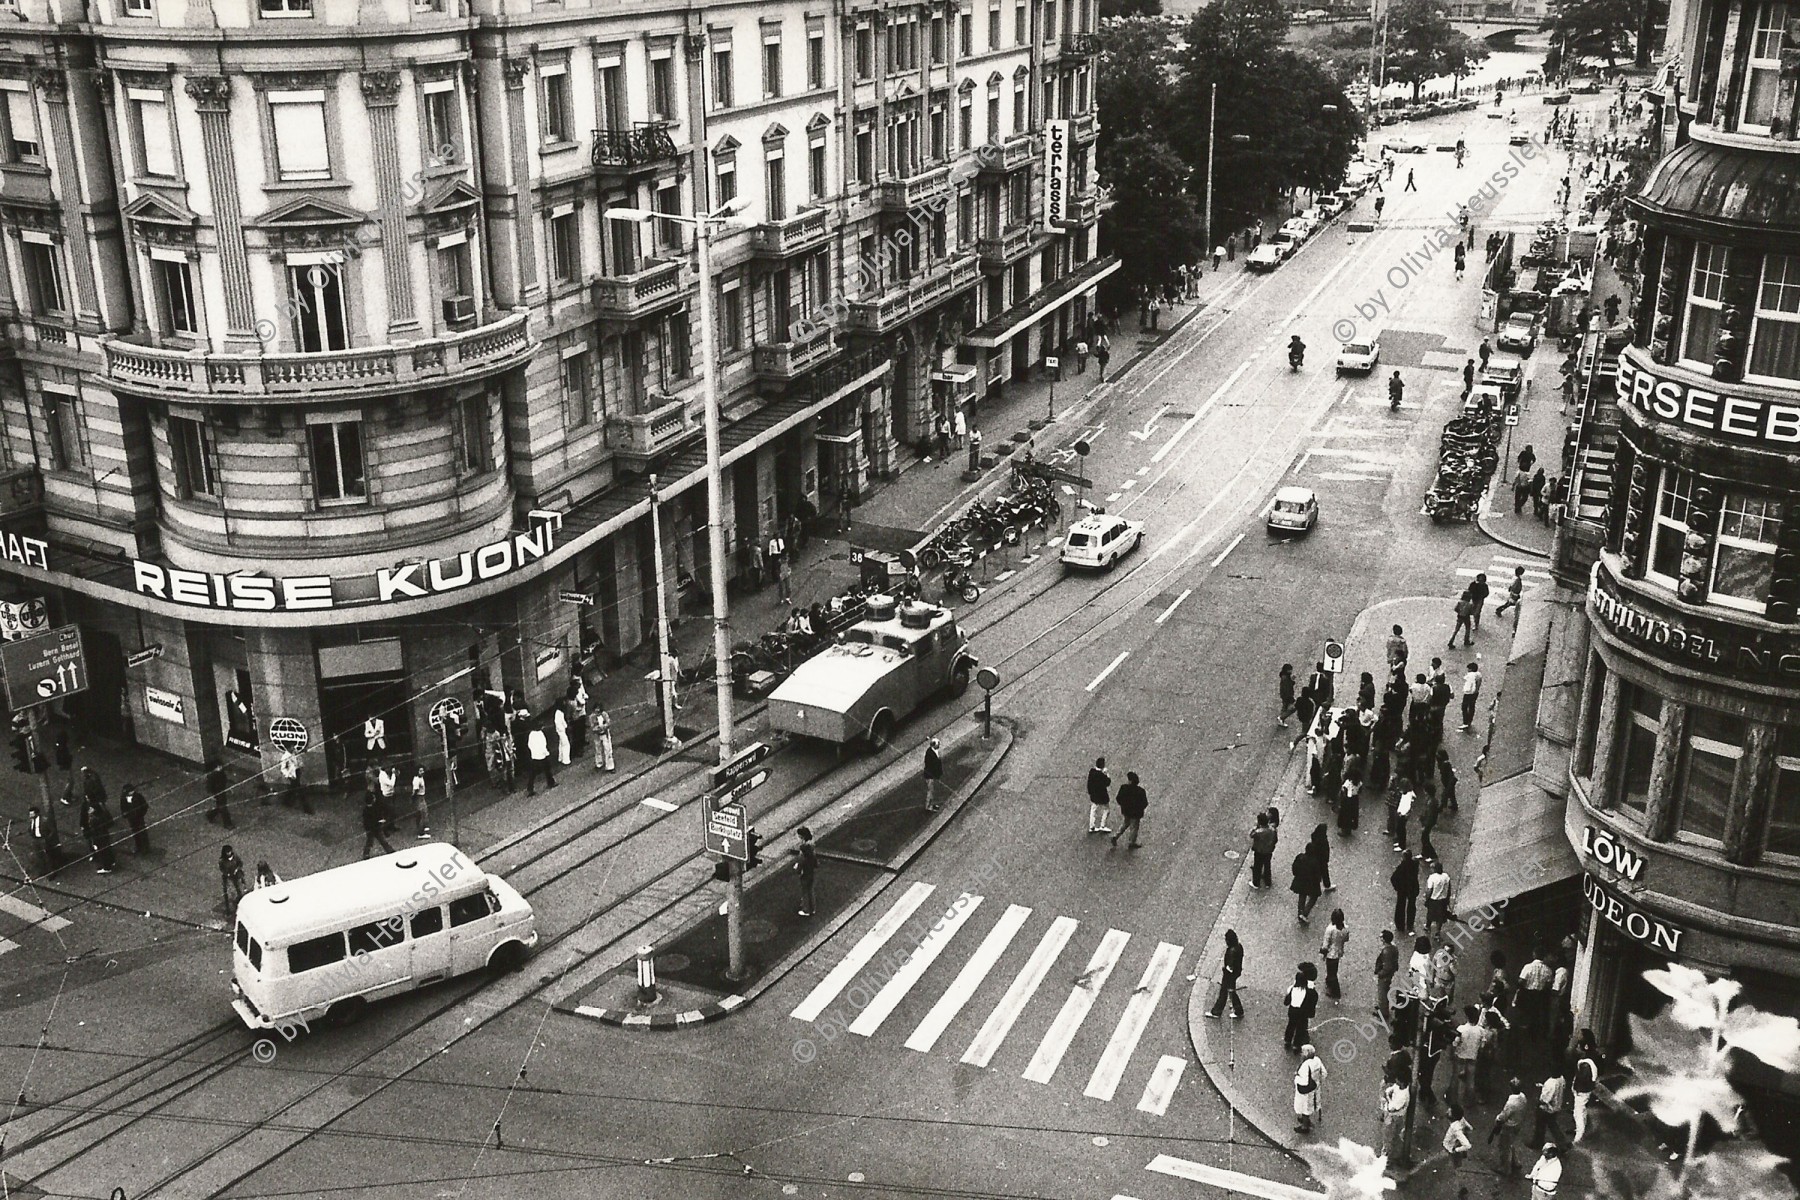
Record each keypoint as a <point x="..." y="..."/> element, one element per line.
<point x="1516" y="845"/>
<point x="1021" y="316"/>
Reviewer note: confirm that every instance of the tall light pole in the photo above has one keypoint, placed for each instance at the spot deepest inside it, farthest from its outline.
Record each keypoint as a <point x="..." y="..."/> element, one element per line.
<point x="1212" y="129"/>
<point x="704" y="227"/>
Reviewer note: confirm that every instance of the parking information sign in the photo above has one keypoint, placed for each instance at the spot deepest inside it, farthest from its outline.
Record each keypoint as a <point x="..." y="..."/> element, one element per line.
<point x="44" y="668"/>
<point x="727" y="826"/>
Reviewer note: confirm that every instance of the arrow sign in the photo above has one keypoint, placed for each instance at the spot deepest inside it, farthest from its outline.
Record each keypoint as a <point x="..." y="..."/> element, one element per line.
<point x="740" y="789"/>
<point x="737" y="764"/>
<point x="581" y="598"/>
<point x="138" y="658"/>
<point x="726" y="831"/>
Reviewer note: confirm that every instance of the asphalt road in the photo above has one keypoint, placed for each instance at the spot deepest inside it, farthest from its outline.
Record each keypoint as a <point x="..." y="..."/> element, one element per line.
<point x="1166" y="665"/>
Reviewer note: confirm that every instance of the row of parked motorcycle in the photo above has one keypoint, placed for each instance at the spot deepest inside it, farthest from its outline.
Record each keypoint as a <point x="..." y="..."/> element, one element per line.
<point x="1468" y="455"/>
<point x="991" y="524"/>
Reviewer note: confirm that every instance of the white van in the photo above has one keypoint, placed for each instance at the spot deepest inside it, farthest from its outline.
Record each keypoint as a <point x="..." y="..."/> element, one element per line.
<point x="323" y="946"/>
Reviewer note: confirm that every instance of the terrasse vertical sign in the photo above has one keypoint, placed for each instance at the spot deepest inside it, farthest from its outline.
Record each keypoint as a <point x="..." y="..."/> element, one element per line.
<point x="1057" y="184"/>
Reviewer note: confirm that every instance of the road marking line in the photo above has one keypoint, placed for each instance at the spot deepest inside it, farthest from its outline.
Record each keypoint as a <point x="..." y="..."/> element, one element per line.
<point x="1226" y="552"/>
<point x="1173" y="605"/>
<point x="1518" y="562"/>
<point x="1003" y="576"/>
<point x="1347" y="477"/>
<point x="1112" y="498"/>
<point x="862" y="953"/>
<point x="1128" y="485"/>
<point x="1150" y="425"/>
<point x="1130" y="1030"/>
<point x="1161" y="1088"/>
<point x="1062" y="1031"/>
<point x="1143" y="471"/>
<point x="1200" y="415"/>
<point x="1367" y="455"/>
<point x="972" y="975"/>
<point x="7" y="946"/>
<point x="926" y="953"/>
<point x="659" y="805"/>
<point x="1110" y="668"/>
<point x="1231" y="1181"/>
<point x="26" y="911"/>
<point x="1301" y="465"/>
<point x="1000" y="1022"/>
<point x="1472" y="572"/>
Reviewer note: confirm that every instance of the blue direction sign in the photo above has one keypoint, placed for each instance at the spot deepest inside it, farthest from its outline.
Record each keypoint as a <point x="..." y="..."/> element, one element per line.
<point x="44" y="668"/>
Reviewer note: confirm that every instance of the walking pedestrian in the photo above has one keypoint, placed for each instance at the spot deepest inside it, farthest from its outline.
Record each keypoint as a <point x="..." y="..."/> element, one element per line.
<point x="1099" y="792"/>
<point x="1301" y="1002"/>
<point x="42" y="822"/>
<point x="1457" y="1137"/>
<point x="1133" y="803"/>
<point x="1536" y="488"/>
<point x="231" y="878"/>
<point x="1527" y="459"/>
<point x="1465" y="622"/>
<point x="1466" y="1052"/>
<point x="1331" y="950"/>
<point x="1284" y="686"/>
<point x="1507" y="1125"/>
<point x="1437" y="898"/>
<point x="776" y="557"/>
<point x="1587" y="1075"/>
<point x="1387" y="965"/>
<point x="1396" y="651"/>
<point x="1229" y="971"/>
<point x="96" y="823"/>
<point x="1447" y="781"/>
<point x="1405" y="882"/>
<point x="375" y="824"/>
<point x="1483" y="352"/>
<point x="1515" y="590"/>
<point x="1553" y="1095"/>
<point x="1308" y="1100"/>
<point x="806" y="865"/>
<point x="421" y="806"/>
<point x="537" y="752"/>
<point x="1320" y="848"/>
<point x="600" y="731"/>
<point x="1436" y="1041"/>
<point x="1461" y="262"/>
<point x="1305" y="884"/>
<point x="218" y="785"/>
<point x="1546" y="1173"/>
<point x="1231" y="247"/>
<point x="934" y="773"/>
<point x="1262" y="852"/>
<point x="1397" y="817"/>
<point x="1218" y="257"/>
<point x="1521" y="488"/>
<point x="136" y="811"/>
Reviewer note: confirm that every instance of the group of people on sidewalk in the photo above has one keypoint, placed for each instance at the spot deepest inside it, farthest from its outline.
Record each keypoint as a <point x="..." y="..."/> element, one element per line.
<point x="85" y="792"/>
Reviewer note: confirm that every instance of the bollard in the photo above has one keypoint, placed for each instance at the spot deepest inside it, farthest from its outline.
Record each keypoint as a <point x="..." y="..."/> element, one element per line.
<point x="646" y="968"/>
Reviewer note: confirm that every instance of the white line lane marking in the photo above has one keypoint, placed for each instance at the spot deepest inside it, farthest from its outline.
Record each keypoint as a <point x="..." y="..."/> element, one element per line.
<point x="25" y="911"/>
<point x="1175" y="604"/>
<point x="1200" y="415"/>
<point x="7" y="946"/>
<point x="1518" y="562"/>
<point x="862" y="953"/>
<point x="1225" y="553"/>
<point x="1110" y="668"/>
<point x="1130" y="1030"/>
<point x="1110" y="499"/>
<point x="1143" y="471"/>
<point x="659" y="805"/>
<point x="1062" y="1031"/>
<point x="894" y="991"/>
<point x="972" y="975"/>
<point x="1000" y="1021"/>
<point x="1161" y="1088"/>
<point x="1231" y="1181"/>
<point x="1128" y="485"/>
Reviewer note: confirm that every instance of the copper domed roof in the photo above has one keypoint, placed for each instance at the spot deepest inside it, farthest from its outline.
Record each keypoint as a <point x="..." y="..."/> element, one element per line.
<point x="1710" y="189"/>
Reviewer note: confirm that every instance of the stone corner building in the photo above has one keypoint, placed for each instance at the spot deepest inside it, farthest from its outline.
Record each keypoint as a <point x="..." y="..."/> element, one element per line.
<point x="324" y="374"/>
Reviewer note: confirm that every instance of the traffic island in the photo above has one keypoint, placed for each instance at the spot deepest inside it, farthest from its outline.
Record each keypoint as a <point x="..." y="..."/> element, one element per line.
<point x="858" y="857"/>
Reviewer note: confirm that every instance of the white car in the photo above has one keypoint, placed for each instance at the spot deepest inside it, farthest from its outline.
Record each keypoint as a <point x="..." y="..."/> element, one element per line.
<point x="1286" y="241"/>
<point x="1358" y="356"/>
<point x="1300" y="227"/>
<point x="1331" y="205"/>
<point x="1295" y="510"/>
<point x="1519" y="333"/>
<point x="1099" y="541"/>
<point x="1265" y="257"/>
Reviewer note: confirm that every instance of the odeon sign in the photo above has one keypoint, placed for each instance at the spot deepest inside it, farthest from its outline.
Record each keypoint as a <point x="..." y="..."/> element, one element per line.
<point x="1758" y="420"/>
<point x="1682" y="638"/>
<point x="250" y="592"/>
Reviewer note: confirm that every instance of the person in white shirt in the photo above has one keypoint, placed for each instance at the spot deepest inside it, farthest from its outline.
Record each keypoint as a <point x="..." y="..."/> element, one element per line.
<point x="1546" y="1173"/>
<point x="1532" y="1001"/>
<point x="1471" y="692"/>
<point x="1308" y="1103"/>
<point x="537" y="749"/>
<point x="375" y="734"/>
<point x="1418" y="967"/>
<point x="1437" y="899"/>
<point x="560" y="720"/>
<point x="1394" y="1099"/>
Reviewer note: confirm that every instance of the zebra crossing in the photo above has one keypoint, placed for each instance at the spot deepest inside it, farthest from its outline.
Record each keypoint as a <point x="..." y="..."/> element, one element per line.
<point x="31" y="915"/>
<point x="899" y="967"/>
<point x="1499" y="572"/>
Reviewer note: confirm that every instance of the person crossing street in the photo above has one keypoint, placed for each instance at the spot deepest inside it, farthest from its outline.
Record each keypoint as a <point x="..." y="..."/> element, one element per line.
<point x="1229" y="972"/>
<point x="1515" y="590"/>
<point x="1133" y="803"/>
<point x="1099" y="792"/>
<point x="934" y="774"/>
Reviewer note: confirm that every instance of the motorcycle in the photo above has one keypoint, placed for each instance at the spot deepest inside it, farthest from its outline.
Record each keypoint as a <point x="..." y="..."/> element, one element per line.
<point x="1296" y="356"/>
<point x="959" y="580"/>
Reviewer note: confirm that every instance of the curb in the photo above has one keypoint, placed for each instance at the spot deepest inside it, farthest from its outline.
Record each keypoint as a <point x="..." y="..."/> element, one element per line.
<point x="724" y="1007"/>
<point x="1481" y="522"/>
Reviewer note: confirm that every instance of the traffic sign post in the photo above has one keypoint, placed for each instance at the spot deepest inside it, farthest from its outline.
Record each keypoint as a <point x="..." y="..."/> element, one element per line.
<point x="729" y="771"/>
<point x="989" y="679"/>
<point x="725" y="832"/>
<point x="44" y="668"/>
<point x="445" y="715"/>
<point x="1334" y="655"/>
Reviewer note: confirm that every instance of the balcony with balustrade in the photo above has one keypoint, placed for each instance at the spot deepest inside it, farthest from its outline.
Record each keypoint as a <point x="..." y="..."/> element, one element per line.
<point x="1000" y="251"/>
<point x="906" y="298"/>
<point x="641" y="149"/>
<point x="642" y="436"/>
<point x="1005" y="157"/>
<point x="913" y="191"/>
<point x="808" y="344"/>
<point x="1080" y="45"/>
<point x="1084" y="128"/>
<point x="805" y="230"/>
<point x="655" y="285"/>
<point x="265" y="377"/>
<point x="1081" y="210"/>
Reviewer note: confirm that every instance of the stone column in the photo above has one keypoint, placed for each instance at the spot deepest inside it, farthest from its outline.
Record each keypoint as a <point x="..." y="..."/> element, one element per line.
<point x="381" y="96"/>
<point x="1581" y="759"/>
<point x="1659" y="810"/>
<point x="53" y="85"/>
<point x="1751" y="790"/>
<point x="1636" y="517"/>
<point x="284" y="681"/>
<point x="1606" y="743"/>
<point x="1697" y="546"/>
<point x="211" y="95"/>
<point x="524" y="217"/>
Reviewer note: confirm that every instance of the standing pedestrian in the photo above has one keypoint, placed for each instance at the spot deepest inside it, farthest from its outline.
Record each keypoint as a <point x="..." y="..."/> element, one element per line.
<point x="374" y="823"/>
<point x="1321" y="685"/>
<point x="1103" y="354"/>
<point x="1306" y="707"/>
<point x="537" y="751"/>
<point x="1405" y="882"/>
<point x="96" y="823"/>
<point x="218" y="785"/>
<point x="1305" y="884"/>
<point x="1262" y="852"/>
<point x="421" y="806"/>
<point x="560" y="723"/>
<point x="1396" y="651"/>
<point x="1466" y="1051"/>
<point x="1387" y="965"/>
<point x="1218" y="257"/>
<point x="1471" y="694"/>
<point x="290" y="780"/>
<point x="934" y="773"/>
<point x="1301" y="1002"/>
<point x="1552" y="1095"/>
<point x="1587" y="1075"/>
<point x="1460" y="262"/>
<point x="1229" y="970"/>
<point x="136" y="811"/>
<point x="42" y="822"/>
<point x="1468" y="378"/>
<point x="1457" y="1137"/>
<point x="1320" y="848"/>
<point x="1308" y="1100"/>
<point x="1349" y="802"/>
<point x="1484" y="352"/>
<point x="1507" y="1125"/>
<point x="776" y="556"/>
<point x="1532" y="1000"/>
<point x="1331" y="950"/>
<point x="1465" y="622"/>
<point x="1546" y="1173"/>
<point x="1437" y="899"/>
<point x="806" y="865"/>
<point x="1515" y="590"/>
<point x="1396" y="1098"/>
<point x="232" y="884"/>
<point x="1099" y="792"/>
<point x="1397" y="817"/>
<point x="1284" y="686"/>
<point x="1527" y="459"/>
<point x="1133" y="803"/>
<point x="1521" y="486"/>
<point x="600" y="730"/>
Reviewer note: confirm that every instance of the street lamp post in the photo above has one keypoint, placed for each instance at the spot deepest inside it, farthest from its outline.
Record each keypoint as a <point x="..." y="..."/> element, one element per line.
<point x="1212" y="129"/>
<point x="704" y="227"/>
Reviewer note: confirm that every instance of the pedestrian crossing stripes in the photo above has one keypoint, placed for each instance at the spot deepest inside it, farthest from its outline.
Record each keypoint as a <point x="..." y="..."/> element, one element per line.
<point x="7" y="946"/>
<point x="1230" y="1181"/>
<point x="26" y="911"/>
<point x="1502" y="573"/>
<point x="889" y="976"/>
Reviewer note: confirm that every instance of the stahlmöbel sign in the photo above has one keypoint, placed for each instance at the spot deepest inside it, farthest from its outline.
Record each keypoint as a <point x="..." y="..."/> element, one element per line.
<point x="250" y="592"/>
<point x="1759" y="420"/>
<point x="1686" y="638"/>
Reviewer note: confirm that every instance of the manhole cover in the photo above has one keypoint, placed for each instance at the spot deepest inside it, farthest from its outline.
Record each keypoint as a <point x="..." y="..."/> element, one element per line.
<point x="758" y="931"/>
<point x="864" y="845"/>
<point x="673" y="962"/>
<point x="1233" y="855"/>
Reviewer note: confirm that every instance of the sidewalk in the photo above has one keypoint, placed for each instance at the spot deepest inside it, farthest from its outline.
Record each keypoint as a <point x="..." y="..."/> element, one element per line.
<point x="1244" y="1059"/>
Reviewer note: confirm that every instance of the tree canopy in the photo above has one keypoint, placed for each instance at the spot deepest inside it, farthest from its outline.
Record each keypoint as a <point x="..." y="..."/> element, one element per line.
<point x="1130" y="8"/>
<point x="1422" y="45"/>
<point x="1596" y="28"/>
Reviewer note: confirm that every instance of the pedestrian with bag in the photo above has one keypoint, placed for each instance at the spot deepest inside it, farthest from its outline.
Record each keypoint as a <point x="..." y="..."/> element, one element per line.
<point x="1099" y="793"/>
<point x="1229" y="972"/>
<point x="136" y="811"/>
<point x="934" y="774"/>
<point x="1262" y="852"/>
<point x="1308" y="1101"/>
<point x="1331" y="951"/>
<point x="806" y="866"/>
<point x="1134" y="802"/>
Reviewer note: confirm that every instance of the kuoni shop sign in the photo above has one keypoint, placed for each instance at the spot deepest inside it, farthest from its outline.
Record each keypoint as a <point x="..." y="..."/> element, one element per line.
<point x="1760" y="420"/>
<point x="1629" y="919"/>
<point x="1685" y="638"/>
<point x="252" y="592"/>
